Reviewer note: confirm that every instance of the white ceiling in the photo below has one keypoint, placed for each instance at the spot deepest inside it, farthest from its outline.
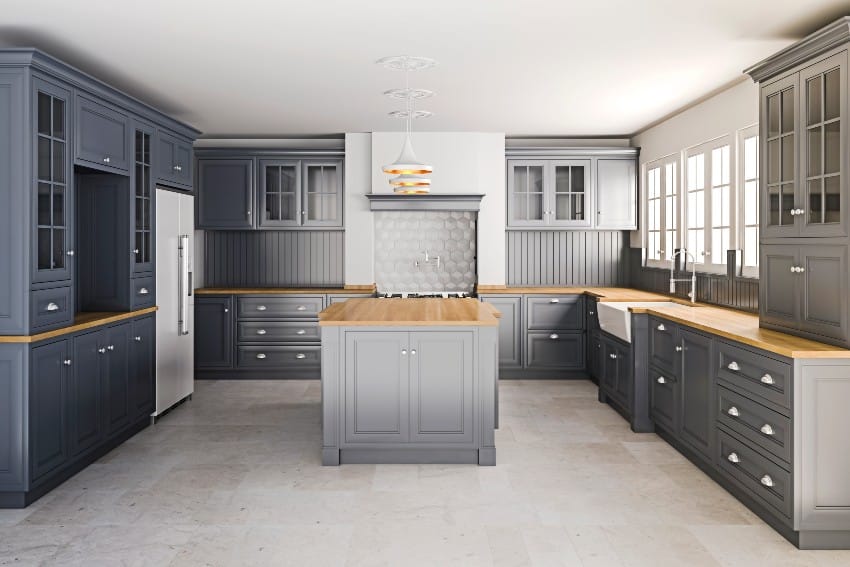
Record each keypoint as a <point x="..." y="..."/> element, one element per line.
<point x="523" y="67"/>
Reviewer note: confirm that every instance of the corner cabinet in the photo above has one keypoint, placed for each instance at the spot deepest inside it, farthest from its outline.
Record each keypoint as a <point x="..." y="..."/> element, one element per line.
<point x="805" y="214"/>
<point x="572" y="188"/>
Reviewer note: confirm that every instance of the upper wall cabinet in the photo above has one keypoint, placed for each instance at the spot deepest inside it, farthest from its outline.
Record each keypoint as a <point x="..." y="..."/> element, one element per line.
<point x="102" y="136"/>
<point x="572" y="188"/>
<point x="269" y="190"/>
<point x="173" y="160"/>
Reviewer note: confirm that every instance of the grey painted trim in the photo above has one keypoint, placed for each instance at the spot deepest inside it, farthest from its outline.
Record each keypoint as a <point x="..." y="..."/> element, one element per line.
<point x="251" y="152"/>
<point x="571" y="151"/>
<point x="22" y="57"/>
<point x="817" y="43"/>
<point x="428" y="202"/>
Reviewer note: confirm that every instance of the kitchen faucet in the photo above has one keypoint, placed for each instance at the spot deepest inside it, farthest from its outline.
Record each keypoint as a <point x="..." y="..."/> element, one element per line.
<point x="693" y="293"/>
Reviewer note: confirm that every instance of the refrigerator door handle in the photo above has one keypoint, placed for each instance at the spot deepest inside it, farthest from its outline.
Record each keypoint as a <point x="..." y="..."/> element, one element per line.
<point x="184" y="285"/>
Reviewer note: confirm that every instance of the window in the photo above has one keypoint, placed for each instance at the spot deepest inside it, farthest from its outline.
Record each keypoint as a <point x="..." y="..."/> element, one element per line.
<point x="748" y="152"/>
<point x="662" y="210"/>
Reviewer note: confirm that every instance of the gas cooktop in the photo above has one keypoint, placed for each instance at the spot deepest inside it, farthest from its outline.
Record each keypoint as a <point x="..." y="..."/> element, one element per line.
<point x="426" y="294"/>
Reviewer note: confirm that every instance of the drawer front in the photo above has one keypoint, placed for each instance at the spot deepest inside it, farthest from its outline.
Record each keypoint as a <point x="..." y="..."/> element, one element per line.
<point x="276" y="331"/>
<point x="51" y="308"/>
<point x="143" y="292"/>
<point x="663" y="337"/>
<point x="760" y="476"/>
<point x="755" y="373"/>
<point x="555" y="312"/>
<point x="292" y="357"/>
<point x="664" y="398"/>
<point x="755" y="422"/>
<point x="555" y="351"/>
<point x="277" y="307"/>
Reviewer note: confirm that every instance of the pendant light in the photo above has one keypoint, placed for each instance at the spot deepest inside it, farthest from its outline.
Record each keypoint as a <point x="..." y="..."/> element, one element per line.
<point x="409" y="171"/>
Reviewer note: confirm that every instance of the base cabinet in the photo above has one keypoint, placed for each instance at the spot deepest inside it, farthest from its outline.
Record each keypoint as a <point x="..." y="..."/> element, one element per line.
<point x="48" y="407"/>
<point x="696" y="425"/>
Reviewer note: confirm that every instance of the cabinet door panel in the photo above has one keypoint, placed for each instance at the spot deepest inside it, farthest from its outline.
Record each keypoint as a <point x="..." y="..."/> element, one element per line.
<point x="86" y="392"/>
<point x="142" y="384"/>
<point x="526" y="193"/>
<point x="102" y="136"/>
<point x="624" y="374"/>
<point x="616" y="194"/>
<point x="117" y="378"/>
<point x="510" y="330"/>
<point x="664" y="399"/>
<point x="824" y="290"/>
<point x="321" y="200"/>
<point x="164" y="163"/>
<point x="376" y="387"/>
<point x="213" y="332"/>
<point x="779" y="171"/>
<point x="569" y="195"/>
<point x="779" y="302"/>
<point x="225" y="193"/>
<point x="279" y="194"/>
<point x="663" y="340"/>
<point x="441" y="380"/>
<point x="48" y="404"/>
<point x="696" y="382"/>
<point x="183" y="163"/>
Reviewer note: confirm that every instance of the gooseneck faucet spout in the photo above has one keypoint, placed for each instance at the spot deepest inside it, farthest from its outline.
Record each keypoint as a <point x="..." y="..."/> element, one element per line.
<point x="693" y="293"/>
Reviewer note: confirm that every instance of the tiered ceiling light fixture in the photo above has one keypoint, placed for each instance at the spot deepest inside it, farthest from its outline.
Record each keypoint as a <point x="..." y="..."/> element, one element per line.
<point x="411" y="174"/>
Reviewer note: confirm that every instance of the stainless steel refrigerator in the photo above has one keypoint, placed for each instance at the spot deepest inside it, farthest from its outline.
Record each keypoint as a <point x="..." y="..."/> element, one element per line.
<point x="175" y="361"/>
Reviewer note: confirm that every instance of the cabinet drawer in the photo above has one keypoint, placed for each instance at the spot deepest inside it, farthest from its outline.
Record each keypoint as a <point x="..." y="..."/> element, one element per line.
<point x="266" y="307"/>
<point x="278" y="357"/>
<point x="662" y="344"/>
<point x="755" y="422"/>
<point x="275" y="331"/>
<point x="755" y="373"/>
<point x="758" y="475"/>
<point x="555" y="351"/>
<point x="102" y="136"/>
<point x="556" y="312"/>
<point x="51" y="308"/>
<point x="143" y="292"/>
<point x="664" y="398"/>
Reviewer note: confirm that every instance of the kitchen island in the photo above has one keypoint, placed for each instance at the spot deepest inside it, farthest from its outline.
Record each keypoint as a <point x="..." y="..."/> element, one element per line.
<point x="409" y="381"/>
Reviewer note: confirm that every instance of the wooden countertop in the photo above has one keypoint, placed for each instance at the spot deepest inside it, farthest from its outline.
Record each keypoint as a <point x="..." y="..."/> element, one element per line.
<point x="600" y="293"/>
<point x="409" y="313"/>
<point x="365" y="290"/>
<point x="82" y="322"/>
<point x="744" y="328"/>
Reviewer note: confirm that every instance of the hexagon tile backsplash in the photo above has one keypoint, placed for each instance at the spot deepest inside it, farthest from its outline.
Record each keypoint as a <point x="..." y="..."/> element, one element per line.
<point x="401" y="240"/>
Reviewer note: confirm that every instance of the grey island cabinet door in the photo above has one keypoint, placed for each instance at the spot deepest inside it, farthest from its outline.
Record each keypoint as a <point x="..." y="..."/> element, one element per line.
<point x="102" y="136"/>
<point x="48" y="408"/>
<point x="53" y="204"/>
<point x="225" y="194"/>
<point x="213" y="332"/>
<point x="279" y="194"/>
<point x="779" y="296"/>
<point x="823" y="287"/>
<point x="117" y="378"/>
<point x="696" y="379"/>
<point x="377" y="387"/>
<point x="616" y="194"/>
<point x="86" y="392"/>
<point x="441" y="381"/>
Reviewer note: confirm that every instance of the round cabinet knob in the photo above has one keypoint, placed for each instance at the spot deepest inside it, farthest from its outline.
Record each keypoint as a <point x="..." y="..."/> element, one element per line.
<point x="261" y="356"/>
<point x="767" y="481"/>
<point x="51" y="307"/>
<point x="554" y="300"/>
<point x="591" y="312"/>
<point x="110" y="347"/>
<point x="106" y="160"/>
<point x="661" y="380"/>
<point x="67" y="362"/>
<point x="661" y="327"/>
<point x="101" y="350"/>
<point x="143" y="291"/>
<point x="679" y="349"/>
<point x="69" y="253"/>
<point x="261" y="307"/>
<point x="800" y="211"/>
<point x="613" y="355"/>
<point x="300" y="332"/>
<point x="733" y="366"/>
<point x="261" y="331"/>
<point x="226" y="310"/>
<point x="137" y="339"/>
<point x="767" y="379"/>
<point x="135" y="250"/>
<point x="403" y="351"/>
<point x="767" y="429"/>
<point x="733" y="411"/>
<point x="413" y="352"/>
<point x="733" y="458"/>
<point x="302" y="356"/>
<point x="800" y="269"/>
<point x="553" y="336"/>
<point x="301" y="308"/>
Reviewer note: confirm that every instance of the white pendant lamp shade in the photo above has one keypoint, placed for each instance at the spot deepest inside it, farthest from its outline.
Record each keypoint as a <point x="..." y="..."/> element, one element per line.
<point x="409" y="171"/>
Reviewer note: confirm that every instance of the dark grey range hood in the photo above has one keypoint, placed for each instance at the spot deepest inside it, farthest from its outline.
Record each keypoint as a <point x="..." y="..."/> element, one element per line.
<point x="425" y="202"/>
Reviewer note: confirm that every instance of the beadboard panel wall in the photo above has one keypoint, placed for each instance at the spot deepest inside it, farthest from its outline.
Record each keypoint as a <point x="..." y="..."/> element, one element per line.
<point x="273" y="258"/>
<point x="567" y="257"/>
<point x="737" y="293"/>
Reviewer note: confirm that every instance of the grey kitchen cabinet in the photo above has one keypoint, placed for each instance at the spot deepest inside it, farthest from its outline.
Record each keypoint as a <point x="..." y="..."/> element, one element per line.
<point x="341" y="297"/>
<point x="116" y="368"/>
<point x="564" y="188"/>
<point x="555" y="351"/>
<point x="616" y="194"/>
<point x="173" y="163"/>
<point x="663" y="344"/>
<point x="806" y="292"/>
<point x="142" y="254"/>
<point x="594" y="356"/>
<point x="557" y="312"/>
<point x="86" y="393"/>
<point x="696" y="416"/>
<point x="321" y="193"/>
<point x="664" y="399"/>
<point x="615" y="363"/>
<point x="102" y="135"/>
<point x="214" y="321"/>
<point x="510" y="328"/>
<point x="48" y="408"/>
<point x="279" y="193"/>
<point x="225" y="194"/>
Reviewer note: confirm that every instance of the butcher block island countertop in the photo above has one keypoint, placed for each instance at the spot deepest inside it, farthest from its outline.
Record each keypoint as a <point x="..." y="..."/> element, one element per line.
<point x="417" y="312"/>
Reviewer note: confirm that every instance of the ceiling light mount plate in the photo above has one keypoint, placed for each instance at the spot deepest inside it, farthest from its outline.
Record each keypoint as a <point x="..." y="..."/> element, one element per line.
<point x="405" y="94"/>
<point x="406" y="62"/>
<point x="414" y="114"/>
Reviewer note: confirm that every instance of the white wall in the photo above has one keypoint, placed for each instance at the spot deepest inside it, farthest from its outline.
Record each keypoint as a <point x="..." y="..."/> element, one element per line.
<point x="464" y="162"/>
<point x="723" y="113"/>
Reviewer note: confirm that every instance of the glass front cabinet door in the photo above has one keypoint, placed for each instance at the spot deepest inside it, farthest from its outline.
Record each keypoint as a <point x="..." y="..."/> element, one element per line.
<point x="53" y="241"/>
<point x="779" y="139"/>
<point x="526" y="196"/>
<point x="822" y="147"/>
<point x="568" y="204"/>
<point x="322" y="193"/>
<point x="142" y="253"/>
<point x="280" y="193"/>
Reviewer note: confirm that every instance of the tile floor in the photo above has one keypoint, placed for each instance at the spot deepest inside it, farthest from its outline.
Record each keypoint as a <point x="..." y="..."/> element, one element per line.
<point x="233" y="478"/>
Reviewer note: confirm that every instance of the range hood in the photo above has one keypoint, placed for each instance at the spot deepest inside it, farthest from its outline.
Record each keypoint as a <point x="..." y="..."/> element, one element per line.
<point x="426" y="202"/>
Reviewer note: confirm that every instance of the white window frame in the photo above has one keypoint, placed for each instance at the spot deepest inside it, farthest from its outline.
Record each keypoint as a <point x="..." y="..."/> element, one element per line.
<point x="742" y="135"/>
<point x="662" y="164"/>
<point x="706" y="149"/>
